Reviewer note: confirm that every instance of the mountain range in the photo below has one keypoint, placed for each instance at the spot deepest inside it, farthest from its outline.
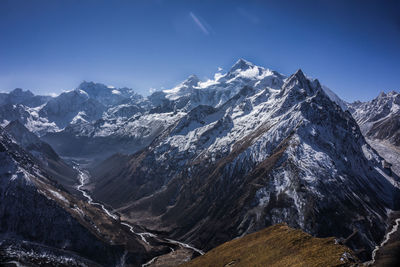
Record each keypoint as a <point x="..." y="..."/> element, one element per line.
<point x="203" y="163"/>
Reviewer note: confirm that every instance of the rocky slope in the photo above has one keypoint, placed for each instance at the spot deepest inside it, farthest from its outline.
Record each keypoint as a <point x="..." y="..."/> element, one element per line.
<point x="380" y="117"/>
<point x="278" y="245"/>
<point x="265" y="156"/>
<point x="46" y="157"/>
<point x="379" y="121"/>
<point x="41" y="223"/>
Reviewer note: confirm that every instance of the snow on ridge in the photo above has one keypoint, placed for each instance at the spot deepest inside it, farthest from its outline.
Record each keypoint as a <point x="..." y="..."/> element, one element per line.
<point x="58" y="196"/>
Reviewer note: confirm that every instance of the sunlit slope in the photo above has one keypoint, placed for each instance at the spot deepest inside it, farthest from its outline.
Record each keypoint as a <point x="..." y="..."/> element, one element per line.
<point x="278" y="245"/>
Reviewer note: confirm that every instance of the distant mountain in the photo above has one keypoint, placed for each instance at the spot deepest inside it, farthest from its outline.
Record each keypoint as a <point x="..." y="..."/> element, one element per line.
<point x="19" y="96"/>
<point x="277" y="246"/>
<point x="72" y="107"/>
<point x="379" y="121"/>
<point x="380" y="117"/>
<point x="131" y="126"/>
<point x="267" y="155"/>
<point x="87" y="103"/>
<point x="109" y="95"/>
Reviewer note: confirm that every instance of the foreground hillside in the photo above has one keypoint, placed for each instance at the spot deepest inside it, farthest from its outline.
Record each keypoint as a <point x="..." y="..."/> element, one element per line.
<point x="278" y="245"/>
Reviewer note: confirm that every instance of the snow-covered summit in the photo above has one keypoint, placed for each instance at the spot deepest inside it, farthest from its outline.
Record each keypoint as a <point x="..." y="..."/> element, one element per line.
<point x="241" y="65"/>
<point x="216" y="91"/>
<point x="184" y="88"/>
<point x="109" y="95"/>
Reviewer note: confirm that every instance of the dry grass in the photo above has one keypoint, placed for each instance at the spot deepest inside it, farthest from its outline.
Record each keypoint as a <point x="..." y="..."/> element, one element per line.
<point x="278" y="245"/>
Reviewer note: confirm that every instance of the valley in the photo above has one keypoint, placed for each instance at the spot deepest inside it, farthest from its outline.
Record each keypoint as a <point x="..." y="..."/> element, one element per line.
<point x="175" y="246"/>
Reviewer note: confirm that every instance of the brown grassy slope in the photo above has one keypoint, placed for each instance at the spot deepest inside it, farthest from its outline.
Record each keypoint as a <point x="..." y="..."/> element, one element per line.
<point x="278" y="245"/>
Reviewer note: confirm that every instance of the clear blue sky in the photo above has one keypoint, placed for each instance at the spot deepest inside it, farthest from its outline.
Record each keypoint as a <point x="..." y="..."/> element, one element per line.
<point x="48" y="46"/>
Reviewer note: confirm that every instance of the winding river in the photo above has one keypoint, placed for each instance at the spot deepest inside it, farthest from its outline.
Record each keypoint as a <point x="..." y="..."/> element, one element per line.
<point x="83" y="178"/>
<point x="385" y="240"/>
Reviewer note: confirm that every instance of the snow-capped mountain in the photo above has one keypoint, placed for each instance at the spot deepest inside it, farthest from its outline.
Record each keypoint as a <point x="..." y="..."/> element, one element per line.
<point x="87" y="103"/>
<point x="19" y="96"/>
<point x="96" y="119"/>
<point x="132" y="125"/>
<point x="269" y="154"/>
<point x="380" y="117"/>
<point x="215" y="92"/>
<point x="379" y="120"/>
<point x="109" y="95"/>
<point x="72" y="107"/>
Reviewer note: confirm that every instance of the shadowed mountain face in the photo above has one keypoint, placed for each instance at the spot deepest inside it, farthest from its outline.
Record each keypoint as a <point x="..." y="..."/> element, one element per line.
<point x="263" y="157"/>
<point x="46" y="157"/>
<point x="19" y="96"/>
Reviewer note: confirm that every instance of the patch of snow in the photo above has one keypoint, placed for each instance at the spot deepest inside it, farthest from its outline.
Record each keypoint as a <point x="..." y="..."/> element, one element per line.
<point x="58" y="196"/>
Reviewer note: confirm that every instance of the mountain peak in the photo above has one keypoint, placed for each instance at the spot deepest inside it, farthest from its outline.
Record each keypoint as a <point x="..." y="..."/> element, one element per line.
<point x="382" y="95"/>
<point x="21" y="92"/>
<point x="299" y="73"/>
<point x="192" y="80"/>
<point x="241" y="64"/>
<point x="297" y="76"/>
<point x="85" y="85"/>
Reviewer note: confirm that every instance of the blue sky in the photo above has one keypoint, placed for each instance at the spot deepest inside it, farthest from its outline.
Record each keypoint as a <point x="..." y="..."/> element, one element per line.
<point x="48" y="46"/>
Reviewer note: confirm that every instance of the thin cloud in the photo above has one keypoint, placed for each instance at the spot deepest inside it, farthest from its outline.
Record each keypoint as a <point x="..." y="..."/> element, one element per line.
<point x="199" y="24"/>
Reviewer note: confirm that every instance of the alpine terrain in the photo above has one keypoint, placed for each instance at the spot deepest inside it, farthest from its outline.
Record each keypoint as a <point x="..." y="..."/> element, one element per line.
<point x="102" y="176"/>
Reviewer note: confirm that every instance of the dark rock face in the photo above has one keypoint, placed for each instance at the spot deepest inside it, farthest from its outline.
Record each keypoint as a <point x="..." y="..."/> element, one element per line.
<point x="264" y="157"/>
